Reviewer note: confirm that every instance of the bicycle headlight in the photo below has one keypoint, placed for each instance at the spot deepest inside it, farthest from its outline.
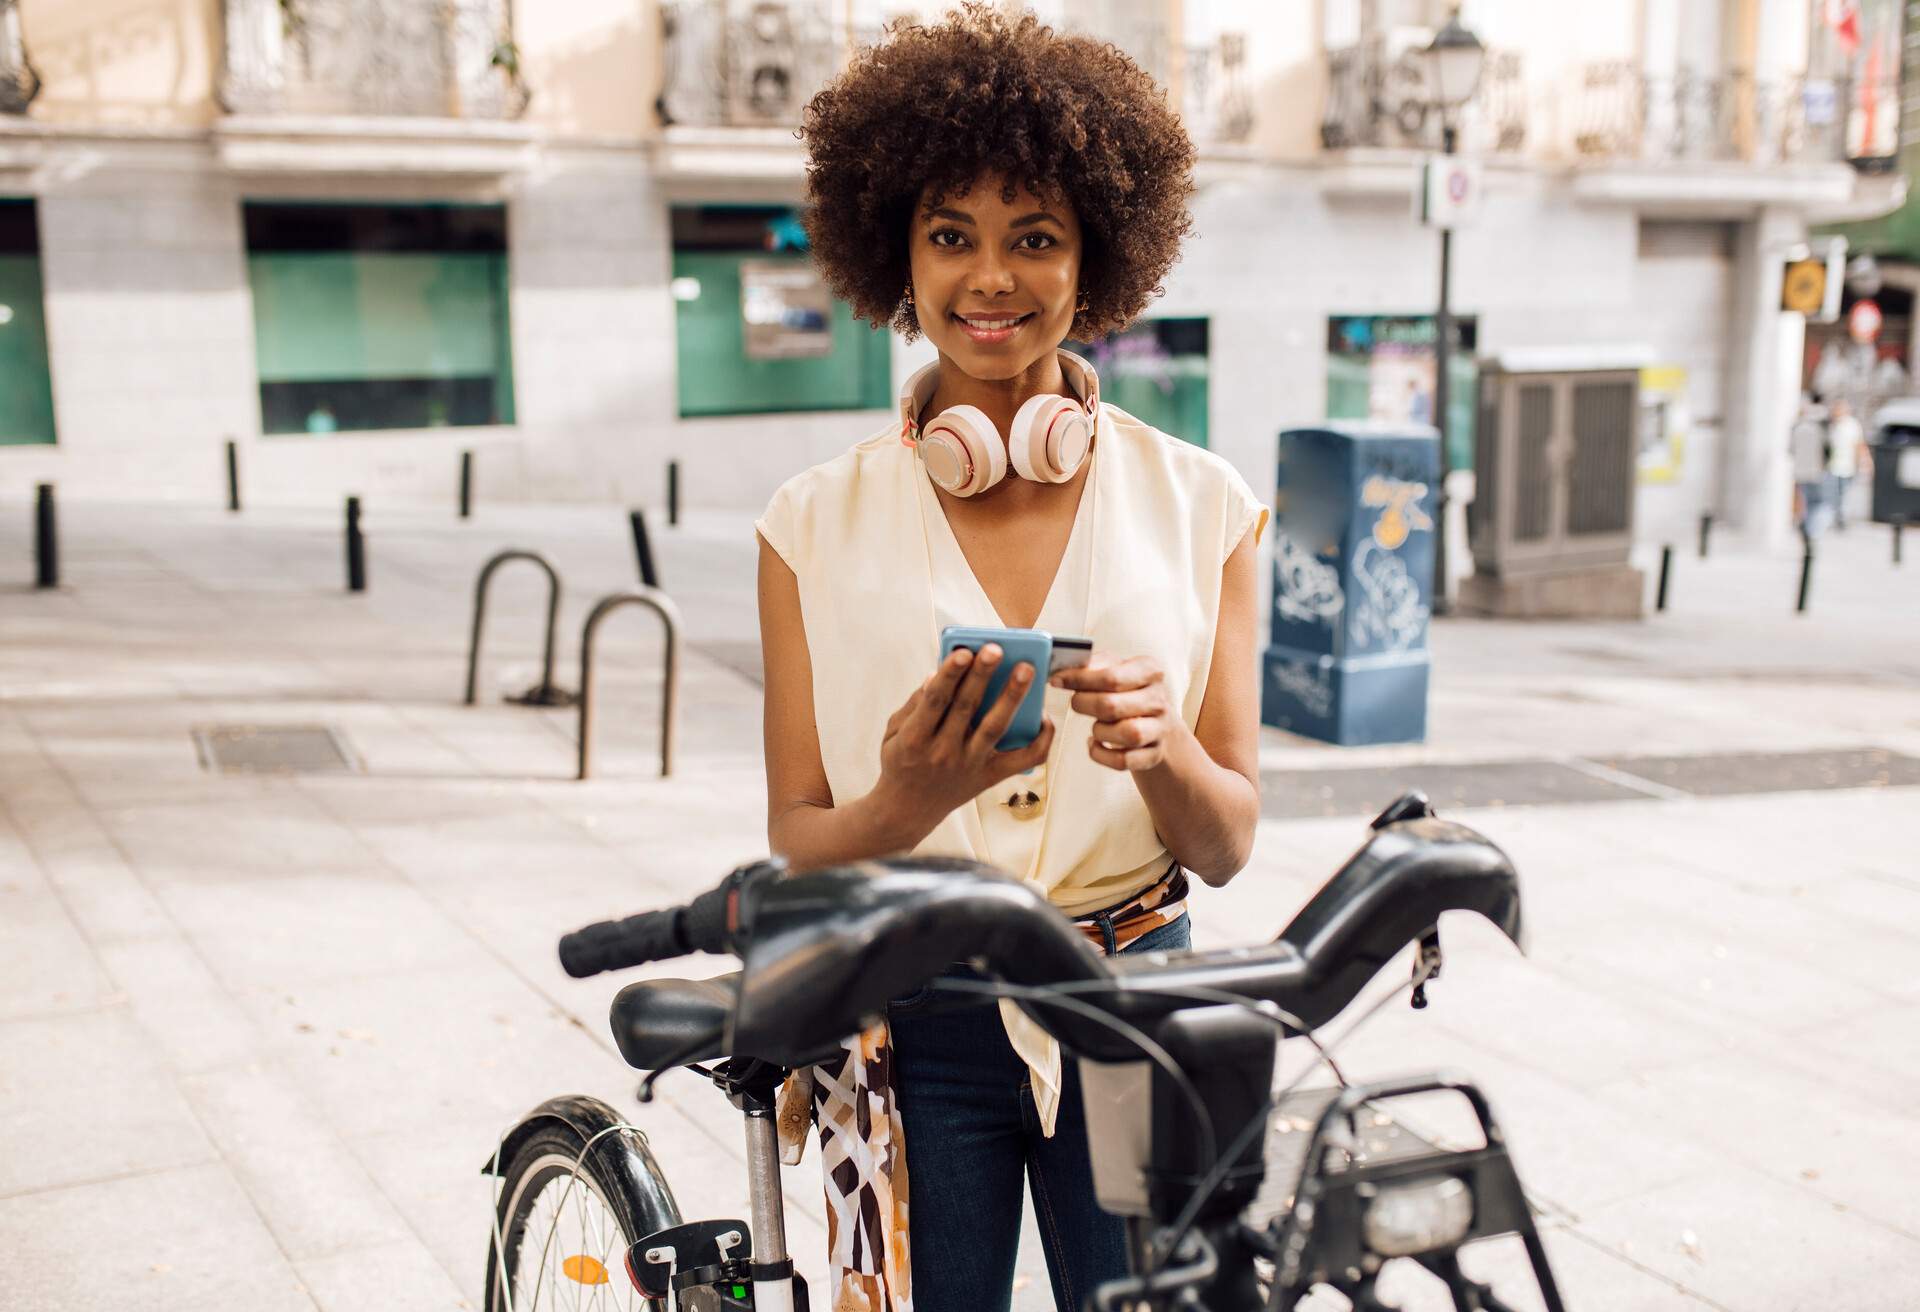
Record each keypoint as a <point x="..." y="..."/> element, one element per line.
<point x="1418" y="1217"/>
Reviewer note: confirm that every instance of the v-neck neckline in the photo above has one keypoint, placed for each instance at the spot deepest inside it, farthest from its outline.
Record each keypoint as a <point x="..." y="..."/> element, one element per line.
<point x="931" y="506"/>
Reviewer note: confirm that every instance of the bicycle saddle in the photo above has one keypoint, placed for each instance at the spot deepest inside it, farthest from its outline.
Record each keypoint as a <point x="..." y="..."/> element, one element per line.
<point x="662" y="1022"/>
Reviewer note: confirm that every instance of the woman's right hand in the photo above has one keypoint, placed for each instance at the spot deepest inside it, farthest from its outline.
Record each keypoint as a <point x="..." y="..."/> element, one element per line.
<point x="929" y="761"/>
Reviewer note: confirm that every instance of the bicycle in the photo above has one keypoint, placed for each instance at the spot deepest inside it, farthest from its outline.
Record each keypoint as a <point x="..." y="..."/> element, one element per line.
<point x="1177" y="1054"/>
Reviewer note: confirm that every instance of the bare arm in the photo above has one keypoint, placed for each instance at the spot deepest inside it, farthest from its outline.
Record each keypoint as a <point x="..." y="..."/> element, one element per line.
<point x="803" y="823"/>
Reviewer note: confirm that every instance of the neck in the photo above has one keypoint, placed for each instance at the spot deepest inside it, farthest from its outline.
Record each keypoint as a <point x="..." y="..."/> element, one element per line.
<point x="998" y="398"/>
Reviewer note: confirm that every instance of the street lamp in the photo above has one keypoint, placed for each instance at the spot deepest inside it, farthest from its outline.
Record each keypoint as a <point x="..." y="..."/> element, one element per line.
<point x="1454" y="60"/>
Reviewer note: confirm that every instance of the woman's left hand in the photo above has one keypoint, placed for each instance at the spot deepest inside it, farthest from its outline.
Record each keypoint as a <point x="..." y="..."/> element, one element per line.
<point x="1133" y="716"/>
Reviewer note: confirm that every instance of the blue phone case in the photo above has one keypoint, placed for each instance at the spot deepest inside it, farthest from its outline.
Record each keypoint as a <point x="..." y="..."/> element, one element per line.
<point x="1033" y="646"/>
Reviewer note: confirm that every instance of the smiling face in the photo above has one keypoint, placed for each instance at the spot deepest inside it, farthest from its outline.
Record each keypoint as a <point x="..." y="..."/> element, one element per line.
<point x="995" y="281"/>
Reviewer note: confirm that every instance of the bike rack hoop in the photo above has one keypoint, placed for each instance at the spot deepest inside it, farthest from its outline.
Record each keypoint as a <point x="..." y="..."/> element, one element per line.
<point x="546" y="694"/>
<point x="662" y="605"/>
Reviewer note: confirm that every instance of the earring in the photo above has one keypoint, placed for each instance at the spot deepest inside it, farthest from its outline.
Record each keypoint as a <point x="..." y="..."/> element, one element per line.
<point x="909" y="296"/>
<point x="1082" y="307"/>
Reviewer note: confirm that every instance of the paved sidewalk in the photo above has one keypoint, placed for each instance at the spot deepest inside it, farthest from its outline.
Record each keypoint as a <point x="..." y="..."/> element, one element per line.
<point x="258" y="1034"/>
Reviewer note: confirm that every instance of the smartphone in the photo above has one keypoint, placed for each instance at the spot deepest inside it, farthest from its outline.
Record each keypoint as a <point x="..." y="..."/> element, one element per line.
<point x="1035" y="647"/>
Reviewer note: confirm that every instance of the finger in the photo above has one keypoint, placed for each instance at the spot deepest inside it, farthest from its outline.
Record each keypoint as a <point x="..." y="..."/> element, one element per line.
<point x="936" y="694"/>
<point x="1107" y="707"/>
<point x="1116" y="676"/>
<point x="1124" y="735"/>
<point x="1138" y="758"/>
<point x="973" y="688"/>
<point x="1022" y="759"/>
<point x="994" y="723"/>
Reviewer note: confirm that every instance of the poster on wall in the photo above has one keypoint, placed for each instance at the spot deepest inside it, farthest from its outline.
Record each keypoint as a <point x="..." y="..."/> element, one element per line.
<point x="1382" y="367"/>
<point x="786" y="312"/>
<point x="1665" y="419"/>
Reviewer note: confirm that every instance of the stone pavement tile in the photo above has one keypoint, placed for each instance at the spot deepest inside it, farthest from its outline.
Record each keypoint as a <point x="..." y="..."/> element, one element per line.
<point x="1873" y="1055"/>
<point x="275" y="930"/>
<point x="1799" y="1128"/>
<point x="1719" y="977"/>
<point x="83" y="1098"/>
<point x="104" y="896"/>
<point x="216" y="842"/>
<point x="405" y="796"/>
<point x="309" y="1188"/>
<point x="402" y="1049"/>
<point x="174" y="1241"/>
<point x="395" y="1277"/>
<point x="178" y="1002"/>
<point x="45" y="963"/>
<point x="1744" y="1240"/>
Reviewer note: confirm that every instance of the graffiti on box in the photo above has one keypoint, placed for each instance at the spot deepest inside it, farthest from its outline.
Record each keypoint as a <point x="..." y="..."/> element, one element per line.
<point x="1387" y="610"/>
<point x="1401" y="514"/>
<point x="1308" y="682"/>
<point x="1306" y="588"/>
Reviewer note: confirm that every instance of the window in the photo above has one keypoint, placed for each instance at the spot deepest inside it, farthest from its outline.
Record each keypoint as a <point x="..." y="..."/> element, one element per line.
<point x="1157" y="372"/>
<point x="26" y="389"/>
<point x="379" y="316"/>
<point x="756" y="330"/>
<point x="1382" y="367"/>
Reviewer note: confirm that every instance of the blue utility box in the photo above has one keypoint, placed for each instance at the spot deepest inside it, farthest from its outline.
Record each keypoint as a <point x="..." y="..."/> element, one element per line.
<point x="1358" y="506"/>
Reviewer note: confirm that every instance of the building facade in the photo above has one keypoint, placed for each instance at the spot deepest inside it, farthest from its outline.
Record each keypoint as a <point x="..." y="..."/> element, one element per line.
<point x="358" y="237"/>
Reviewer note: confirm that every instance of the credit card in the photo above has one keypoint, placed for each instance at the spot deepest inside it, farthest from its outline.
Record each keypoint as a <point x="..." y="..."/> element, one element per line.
<point x="1069" y="654"/>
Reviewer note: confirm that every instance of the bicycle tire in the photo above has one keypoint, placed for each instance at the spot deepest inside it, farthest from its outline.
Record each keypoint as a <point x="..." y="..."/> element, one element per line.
<point x="598" y="1214"/>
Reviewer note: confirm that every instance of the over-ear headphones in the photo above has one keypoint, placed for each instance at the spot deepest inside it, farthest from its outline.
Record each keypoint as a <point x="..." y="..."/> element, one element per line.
<point x="965" y="454"/>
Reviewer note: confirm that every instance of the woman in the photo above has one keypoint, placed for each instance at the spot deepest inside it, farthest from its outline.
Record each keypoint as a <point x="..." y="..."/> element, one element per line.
<point x="1000" y="188"/>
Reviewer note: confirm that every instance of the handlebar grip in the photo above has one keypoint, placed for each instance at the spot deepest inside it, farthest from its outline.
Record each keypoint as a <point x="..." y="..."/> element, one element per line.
<point x="617" y="944"/>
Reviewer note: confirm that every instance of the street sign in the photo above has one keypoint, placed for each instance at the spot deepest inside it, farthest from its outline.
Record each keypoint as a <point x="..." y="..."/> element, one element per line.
<point x="1863" y="322"/>
<point x="1450" y="192"/>
<point x="1803" y="286"/>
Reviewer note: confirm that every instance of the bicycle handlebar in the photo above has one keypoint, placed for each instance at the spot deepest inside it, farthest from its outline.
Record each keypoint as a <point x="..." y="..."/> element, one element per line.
<point x="709" y="923"/>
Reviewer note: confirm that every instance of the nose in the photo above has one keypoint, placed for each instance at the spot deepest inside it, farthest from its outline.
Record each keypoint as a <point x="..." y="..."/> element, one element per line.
<point x="989" y="273"/>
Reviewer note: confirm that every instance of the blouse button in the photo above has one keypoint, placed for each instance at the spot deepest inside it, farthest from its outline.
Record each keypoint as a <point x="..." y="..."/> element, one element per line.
<point x="1025" y="795"/>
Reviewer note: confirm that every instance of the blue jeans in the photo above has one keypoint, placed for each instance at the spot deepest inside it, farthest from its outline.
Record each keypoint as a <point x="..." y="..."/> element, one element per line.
<point x="972" y="1134"/>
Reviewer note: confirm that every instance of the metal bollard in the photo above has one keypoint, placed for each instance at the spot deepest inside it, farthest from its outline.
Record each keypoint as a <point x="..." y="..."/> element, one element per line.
<point x="233" y="475"/>
<point x="1666" y="573"/>
<point x="466" y="484"/>
<point x="46" y="540"/>
<point x="1806" y="572"/>
<point x="673" y="493"/>
<point x="643" y="549"/>
<point x="1899" y="524"/>
<point x="356" y="549"/>
<point x="1706" y="527"/>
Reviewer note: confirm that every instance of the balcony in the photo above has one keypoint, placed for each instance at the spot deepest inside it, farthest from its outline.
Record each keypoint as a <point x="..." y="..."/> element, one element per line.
<point x="1721" y="142"/>
<point x="371" y="86"/>
<point x="1377" y="99"/>
<point x="737" y="73"/>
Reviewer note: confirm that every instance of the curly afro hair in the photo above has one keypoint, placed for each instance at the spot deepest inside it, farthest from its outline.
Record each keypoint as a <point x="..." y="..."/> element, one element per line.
<point x="935" y="108"/>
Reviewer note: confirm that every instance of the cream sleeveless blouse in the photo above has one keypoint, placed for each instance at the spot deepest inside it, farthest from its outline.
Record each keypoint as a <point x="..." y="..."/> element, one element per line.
<point x="870" y="548"/>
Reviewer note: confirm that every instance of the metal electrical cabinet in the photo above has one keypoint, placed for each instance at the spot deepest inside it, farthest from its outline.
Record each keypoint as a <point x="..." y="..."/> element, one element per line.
<point x="1551" y="523"/>
<point x="1352" y="583"/>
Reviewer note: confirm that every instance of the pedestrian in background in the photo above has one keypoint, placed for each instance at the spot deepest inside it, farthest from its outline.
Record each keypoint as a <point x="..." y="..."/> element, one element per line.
<point x="1809" y="448"/>
<point x="1846" y="455"/>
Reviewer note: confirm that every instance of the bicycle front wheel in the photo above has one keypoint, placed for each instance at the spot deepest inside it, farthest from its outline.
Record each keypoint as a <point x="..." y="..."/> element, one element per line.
<point x="562" y="1229"/>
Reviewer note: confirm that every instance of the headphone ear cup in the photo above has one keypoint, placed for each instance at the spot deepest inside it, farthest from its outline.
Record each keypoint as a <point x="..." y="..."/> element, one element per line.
<point x="963" y="451"/>
<point x="1050" y="439"/>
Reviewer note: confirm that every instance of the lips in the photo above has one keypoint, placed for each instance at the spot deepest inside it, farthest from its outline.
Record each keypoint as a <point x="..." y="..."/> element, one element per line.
<point x="987" y="329"/>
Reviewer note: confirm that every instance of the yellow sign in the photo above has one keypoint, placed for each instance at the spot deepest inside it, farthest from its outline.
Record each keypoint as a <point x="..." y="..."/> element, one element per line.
<point x="1803" y="286"/>
<point x="1665" y="420"/>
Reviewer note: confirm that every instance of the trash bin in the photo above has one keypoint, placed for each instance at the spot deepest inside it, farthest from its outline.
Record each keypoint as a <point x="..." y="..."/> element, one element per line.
<point x="1896" y="462"/>
<point x="1347" y="660"/>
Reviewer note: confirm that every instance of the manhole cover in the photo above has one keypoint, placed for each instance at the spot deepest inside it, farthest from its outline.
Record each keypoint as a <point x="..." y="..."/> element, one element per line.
<point x="274" y="749"/>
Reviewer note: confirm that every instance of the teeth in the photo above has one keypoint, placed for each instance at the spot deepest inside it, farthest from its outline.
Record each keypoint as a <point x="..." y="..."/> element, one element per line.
<point x="989" y="325"/>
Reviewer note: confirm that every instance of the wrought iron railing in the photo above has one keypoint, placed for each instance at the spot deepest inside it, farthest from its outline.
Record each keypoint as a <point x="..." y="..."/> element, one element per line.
<point x="1623" y="113"/>
<point x="433" y="58"/>
<point x="756" y="63"/>
<point x="1377" y="101"/>
<point x="19" y="83"/>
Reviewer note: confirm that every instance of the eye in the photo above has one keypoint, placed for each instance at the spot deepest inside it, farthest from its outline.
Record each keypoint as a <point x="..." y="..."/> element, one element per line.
<point x="939" y="237"/>
<point x="1046" y="241"/>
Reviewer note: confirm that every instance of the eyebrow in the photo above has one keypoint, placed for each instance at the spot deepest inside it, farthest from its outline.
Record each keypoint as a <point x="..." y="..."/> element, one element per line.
<point x="1025" y="220"/>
